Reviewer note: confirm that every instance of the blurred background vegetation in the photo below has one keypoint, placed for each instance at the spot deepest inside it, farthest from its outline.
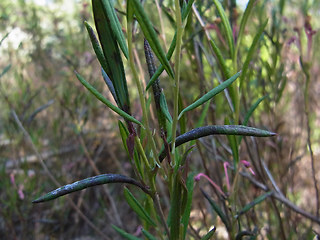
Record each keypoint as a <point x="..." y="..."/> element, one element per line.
<point x="45" y="111"/>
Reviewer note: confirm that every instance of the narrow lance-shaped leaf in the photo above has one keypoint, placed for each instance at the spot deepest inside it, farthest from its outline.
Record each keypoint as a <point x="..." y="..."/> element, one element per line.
<point x="96" y="46"/>
<point x="115" y="25"/>
<point x="210" y="94"/>
<point x="125" y="234"/>
<point x="226" y="25"/>
<point x="219" y="130"/>
<point x="111" y="52"/>
<point x="137" y="207"/>
<point x="217" y="209"/>
<point x="105" y="101"/>
<point x="164" y="107"/>
<point x="185" y="13"/>
<point x="253" y="203"/>
<point x="150" y="35"/>
<point x="252" y="51"/>
<point x="89" y="182"/>
<point x="243" y="22"/>
<point x="220" y="58"/>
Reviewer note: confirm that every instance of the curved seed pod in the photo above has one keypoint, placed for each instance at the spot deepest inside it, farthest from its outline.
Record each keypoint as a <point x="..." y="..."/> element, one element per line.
<point x="89" y="182"/>
<point x="218" y="130"/>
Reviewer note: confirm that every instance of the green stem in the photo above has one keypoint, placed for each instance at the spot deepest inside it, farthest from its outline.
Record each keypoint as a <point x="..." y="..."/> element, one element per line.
<point x="177" y="76"/>
<point x="141" y="92"/>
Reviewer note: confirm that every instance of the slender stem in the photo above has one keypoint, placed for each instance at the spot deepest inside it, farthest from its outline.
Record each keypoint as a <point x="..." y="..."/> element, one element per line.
<point x="177" y="76"/>
<point x="305" y="69"/>
<point x="141" y="93"/>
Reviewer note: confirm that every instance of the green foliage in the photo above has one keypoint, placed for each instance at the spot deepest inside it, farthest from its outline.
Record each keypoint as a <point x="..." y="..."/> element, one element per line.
<point x="68" y="136"/>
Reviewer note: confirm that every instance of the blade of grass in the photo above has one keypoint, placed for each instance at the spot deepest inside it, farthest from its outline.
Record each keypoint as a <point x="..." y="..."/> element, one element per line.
<point x="137" y="207"/>
<point x="151" y="36"/>
<point x="105" y="101"/>
<point x="89" y="182"/>
<point x="210" y="94"/>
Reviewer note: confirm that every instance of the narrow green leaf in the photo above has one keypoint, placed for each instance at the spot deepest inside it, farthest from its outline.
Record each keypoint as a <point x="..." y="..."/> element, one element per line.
<point x="216" y="208"/>
<point x="125" y="234"/>
<point x="253" y="203"/>
<point x="185" y="13"/>
<point x="115" y="26"/>
<point x="5" y="70"/>
<point x="210" y="94"/>
<point x="89" y="182"/>
<point x="137" y="207"/>
<point x="175" y="210"/>
<point x="251" y="52"/>
<point x="148" y="235"/>
<point x="164" y="107"/>
<point x="209" y="235"/>
<point x="111" y="52"/>
<point x="151" y="36"/>
<point x="243" y="22"/>
<point x="96" y="46"/>
<point x="105" y="101"/>
<point x="220" y="58"/>
<point x="251" y="110"/>
<point x="226" y="25"/>
<point x="186" y="212"/>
